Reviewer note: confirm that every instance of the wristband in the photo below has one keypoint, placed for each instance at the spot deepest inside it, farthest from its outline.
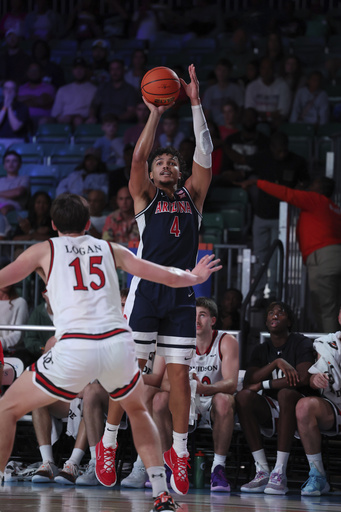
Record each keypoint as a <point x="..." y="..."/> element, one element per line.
<point x="266" y="384"/>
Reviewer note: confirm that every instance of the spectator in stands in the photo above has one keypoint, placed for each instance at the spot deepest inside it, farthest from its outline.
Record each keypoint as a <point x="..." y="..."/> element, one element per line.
<point x="52" y="73"/>
<point x="132" y="134"/>
<point x="84" y="22"/>
<point x="187" y="148"/>
<point x="311" y="104"/>
<point x="120" y="177"/>
<point x="43" y="22"/>
<point x="224" y="89"/>
<point x="229" y="309"/>
<point x="240" y="52"/>
<point x="121" y="226"/>
<point x="37" y="95"/>
<point x="14" y="189"/>
<point x="5" y="228"/>
<point x="171" y="135"/>
<point x="110" y="146"/>
<point x="278" y="165"/>
<point x="35" y="341"/>
<point x="14" y="116"/>
<point x="278" y="367"/>
<point x="13" y="311"/>
<point x="37" y="224"/>
<point x="321" y="414"/>
<point x="319" y="237"/>
<point x="238" y="146"/>
<point x="97" y="201"/>
<point x="90" y="174"/>
<point x="99" y="62"/>
<point x="72" y="103"/>
<point x="270" y="96"/>
<point x="14" y="60"/>
<point x="13" y="19"/>
<point x="115" y="97"/>
<point x="274" y="51"/>
<point x="216" y="382"/>
<point x="231" y="114"/>
<point x="292" y="74"/>
<point x="137" y="69"/>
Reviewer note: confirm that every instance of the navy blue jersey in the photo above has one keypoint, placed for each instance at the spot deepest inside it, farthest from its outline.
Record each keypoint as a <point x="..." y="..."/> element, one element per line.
<point x="169" y="230"/>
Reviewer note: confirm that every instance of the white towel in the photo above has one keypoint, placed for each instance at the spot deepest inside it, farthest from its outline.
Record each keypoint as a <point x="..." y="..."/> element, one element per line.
<point x="329" y="349"/>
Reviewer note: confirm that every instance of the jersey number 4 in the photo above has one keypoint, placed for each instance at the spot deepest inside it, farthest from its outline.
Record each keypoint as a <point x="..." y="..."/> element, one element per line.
<point x="175" y="229"/>
<point x="95" y="262"/>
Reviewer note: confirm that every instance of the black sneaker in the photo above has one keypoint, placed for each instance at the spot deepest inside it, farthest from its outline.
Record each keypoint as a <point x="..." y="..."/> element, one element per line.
<point x="164" y="501"/>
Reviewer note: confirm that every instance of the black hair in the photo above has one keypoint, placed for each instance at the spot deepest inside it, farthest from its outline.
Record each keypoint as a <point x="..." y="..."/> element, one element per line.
<point x="326" y="185"/>
<point x="286" y="308"/>
<point x="172" y="152"/>
<point x="70" y="213"/>
<point x="12" y="152"/>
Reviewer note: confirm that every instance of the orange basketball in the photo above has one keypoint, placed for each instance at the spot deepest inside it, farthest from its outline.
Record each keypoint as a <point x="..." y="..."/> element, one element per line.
<point x="160" y="86"/>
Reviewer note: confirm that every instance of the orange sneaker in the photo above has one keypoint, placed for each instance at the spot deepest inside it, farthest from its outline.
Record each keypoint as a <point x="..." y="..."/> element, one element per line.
<point x="105" y="464"/>
<point x="178" y="466"/>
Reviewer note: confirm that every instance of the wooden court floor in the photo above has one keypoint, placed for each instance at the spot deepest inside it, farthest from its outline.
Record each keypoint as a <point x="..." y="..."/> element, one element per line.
<point x="24" y="496"/>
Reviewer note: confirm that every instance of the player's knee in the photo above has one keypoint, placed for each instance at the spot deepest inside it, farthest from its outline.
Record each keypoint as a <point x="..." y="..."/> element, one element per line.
<point x="160" y="402"/>
<point x="287" y="397"/>
<point x="223" y="405"/>
<point x="304" y="410"/>
<point x="244" y="398"/>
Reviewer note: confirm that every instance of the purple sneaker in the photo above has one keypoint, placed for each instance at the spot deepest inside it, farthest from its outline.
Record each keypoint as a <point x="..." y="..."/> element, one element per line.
<point x="219" y="482"/>
<point x="168" y="477"/>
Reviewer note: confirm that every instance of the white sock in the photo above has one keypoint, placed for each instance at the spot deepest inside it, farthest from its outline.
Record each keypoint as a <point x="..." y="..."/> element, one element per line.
<point x="92" y="452"/>
<point x="316" y="460"/>
<point x="260" y="459"/>
<point x="76" y="456"/>
<point x="180" y="444"/>
<point x="157" y="477"/>
<point x="110" y="435"/>
<point x="46" y="453"/>
<point x="218" y="460"/>
<point x="281" y="462"/>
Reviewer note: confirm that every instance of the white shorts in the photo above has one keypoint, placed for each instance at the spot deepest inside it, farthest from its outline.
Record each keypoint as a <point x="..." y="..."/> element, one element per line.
<point x="274" y="410"/>
<point x="337" y="414"/>
<point x="77" y="359"/>
<point x="173" y="349"/>
<point x="203" y="410"/>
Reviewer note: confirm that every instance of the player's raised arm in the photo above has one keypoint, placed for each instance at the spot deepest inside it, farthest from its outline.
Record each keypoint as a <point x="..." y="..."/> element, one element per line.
<point x="140" y="185"/>
<point x="170" y="276"/>
<point x="198" y="183"/>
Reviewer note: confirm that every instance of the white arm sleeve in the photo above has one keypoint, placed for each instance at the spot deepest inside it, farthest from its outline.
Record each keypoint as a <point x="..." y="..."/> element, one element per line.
<point x="204" y="146"/>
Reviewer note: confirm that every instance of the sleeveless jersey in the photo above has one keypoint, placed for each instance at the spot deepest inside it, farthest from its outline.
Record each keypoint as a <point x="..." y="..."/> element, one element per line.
<point x="83" y="287"/>
<point x="169" y="230"/>
<point x="207" y="366"/>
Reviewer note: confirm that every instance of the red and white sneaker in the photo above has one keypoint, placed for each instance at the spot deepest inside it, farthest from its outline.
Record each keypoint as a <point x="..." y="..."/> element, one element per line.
<point x="164" y="501"/>
<point x="105" y="464"/>
<point x="178" y="466"/>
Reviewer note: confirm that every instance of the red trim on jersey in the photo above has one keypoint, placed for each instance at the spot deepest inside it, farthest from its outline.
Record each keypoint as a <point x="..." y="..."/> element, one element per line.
<point x="122" y="392"/>
<point x="112" y="253"/>
<point x="102" y="336"/>
<point x="208" y="350"/>
<point x="51" y="388"/>
<point x="51" y="261"/>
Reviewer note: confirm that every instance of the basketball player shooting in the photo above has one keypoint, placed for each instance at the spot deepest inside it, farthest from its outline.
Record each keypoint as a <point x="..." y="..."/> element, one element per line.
<point x="169" y="218"/>
<point x="93" y="338"/>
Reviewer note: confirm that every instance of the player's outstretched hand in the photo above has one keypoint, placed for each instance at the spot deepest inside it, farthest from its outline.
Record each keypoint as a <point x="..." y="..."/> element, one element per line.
<point x="205" y="267"/>
<point x="192" y="89"/>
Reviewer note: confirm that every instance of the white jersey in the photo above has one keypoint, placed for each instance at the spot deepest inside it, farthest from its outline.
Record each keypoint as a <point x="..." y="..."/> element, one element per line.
<point x="207" y="366"/>
<point x="83" y="286"/>
<point x="329" y="349"/>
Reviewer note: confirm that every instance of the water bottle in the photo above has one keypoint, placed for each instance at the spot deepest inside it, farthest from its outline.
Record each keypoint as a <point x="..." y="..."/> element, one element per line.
<point x="199" y="470"/>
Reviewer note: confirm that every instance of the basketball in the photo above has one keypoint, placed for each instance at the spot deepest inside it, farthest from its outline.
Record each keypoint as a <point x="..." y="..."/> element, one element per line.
<point x="160" y="86"/>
